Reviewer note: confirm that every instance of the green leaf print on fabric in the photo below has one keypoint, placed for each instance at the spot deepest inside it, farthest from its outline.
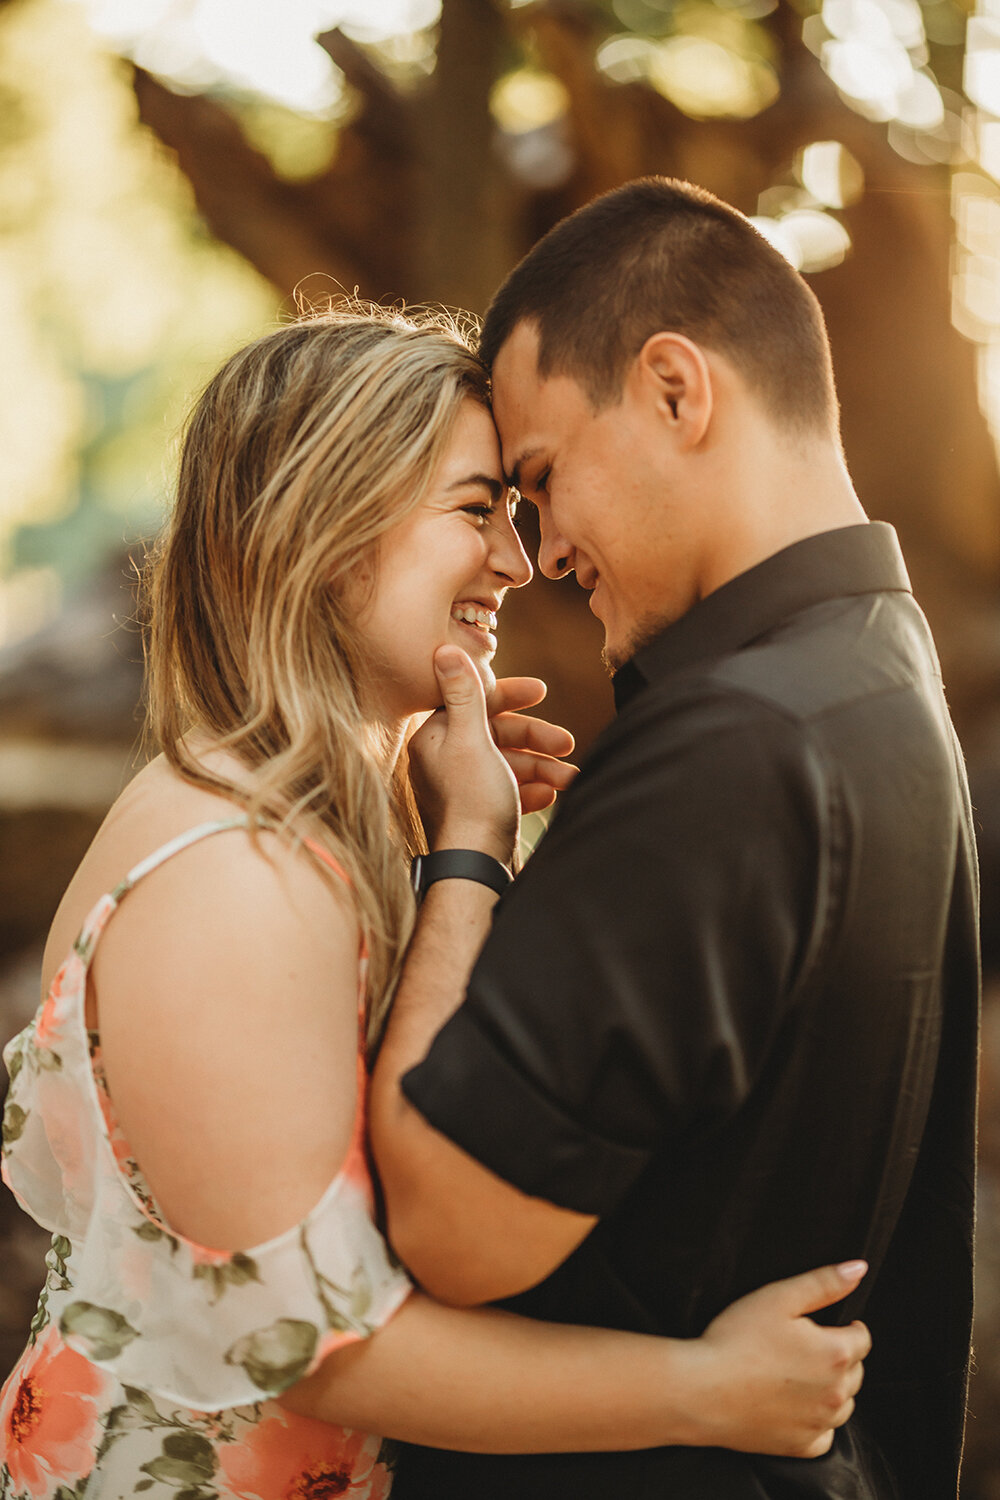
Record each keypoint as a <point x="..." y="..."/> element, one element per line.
<point x="57" y="1263"/>
<point x="151" y="1232"/>
<point x="361" y="1293"/>
<point x="56" y="1279"/>
<point x="14" y="1120"/>
<point x="236" y="1271"/>
<point x="276" y="1356"/>
<point x="185" y="1458"/>
<point x="84" y="946"/>
<point x="41" y="1318"/>
<point x="102" y="1332"/>
<point x="28" y="1050"/>
<point x="358" y="1299"/>
<point x="141" y="1402"/>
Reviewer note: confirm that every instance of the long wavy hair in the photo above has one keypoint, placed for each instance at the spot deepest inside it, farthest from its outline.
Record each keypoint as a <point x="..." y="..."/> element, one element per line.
<point x="304" y="450"/>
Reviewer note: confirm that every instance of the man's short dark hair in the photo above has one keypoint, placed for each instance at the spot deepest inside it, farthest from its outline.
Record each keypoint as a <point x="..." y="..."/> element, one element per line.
<point x="659" y="254"/>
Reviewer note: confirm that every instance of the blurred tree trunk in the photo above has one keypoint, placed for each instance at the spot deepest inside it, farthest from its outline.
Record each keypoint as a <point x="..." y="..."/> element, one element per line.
<point x="418" y="204"/>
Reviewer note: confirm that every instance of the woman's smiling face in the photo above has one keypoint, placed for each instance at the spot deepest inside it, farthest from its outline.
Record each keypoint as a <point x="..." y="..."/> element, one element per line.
<point x="442" y="573"/>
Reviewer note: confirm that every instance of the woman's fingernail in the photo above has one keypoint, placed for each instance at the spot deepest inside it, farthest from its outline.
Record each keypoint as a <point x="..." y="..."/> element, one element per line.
<point x="852" y="1270"/>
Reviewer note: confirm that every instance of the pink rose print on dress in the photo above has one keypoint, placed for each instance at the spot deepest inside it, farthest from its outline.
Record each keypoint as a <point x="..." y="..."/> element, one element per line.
<point x="294" y="1458"/>
<point x="46" y="1030"/>
<point x="50" y="1413"/>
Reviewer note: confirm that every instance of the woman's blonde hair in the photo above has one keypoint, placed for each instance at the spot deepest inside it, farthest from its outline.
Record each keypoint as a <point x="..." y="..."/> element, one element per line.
<point x="303" y="451"/>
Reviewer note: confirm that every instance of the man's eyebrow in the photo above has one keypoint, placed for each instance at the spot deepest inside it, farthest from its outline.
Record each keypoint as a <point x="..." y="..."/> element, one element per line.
<point x="496" y="487"/>
<point x="514" y="478"/>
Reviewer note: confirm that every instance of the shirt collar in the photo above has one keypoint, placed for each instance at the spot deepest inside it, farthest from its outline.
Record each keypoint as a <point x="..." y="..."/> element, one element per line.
<point x="863" y="559"/>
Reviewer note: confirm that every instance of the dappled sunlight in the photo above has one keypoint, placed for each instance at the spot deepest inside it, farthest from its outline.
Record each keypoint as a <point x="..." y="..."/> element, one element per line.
<point x="113" y="306"/>
<point x="830" y="174"/>
<point x="531" y="108"/>
<point x="266" y="48"/>
<point x="527" y="100"/>
<point x="705" y="77"/>
<point x="714" y="62"/>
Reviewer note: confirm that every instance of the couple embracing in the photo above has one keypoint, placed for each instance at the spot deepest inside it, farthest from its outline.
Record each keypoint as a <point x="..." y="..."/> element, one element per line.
<point x="293" y="1122"/>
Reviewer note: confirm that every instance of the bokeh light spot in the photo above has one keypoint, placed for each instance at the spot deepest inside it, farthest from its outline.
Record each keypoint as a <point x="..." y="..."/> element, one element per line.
<point x="982" y="62"/>
<point x="830" y="174"/>
<point x="705" y="79"/>
<point x="527" y="99"/>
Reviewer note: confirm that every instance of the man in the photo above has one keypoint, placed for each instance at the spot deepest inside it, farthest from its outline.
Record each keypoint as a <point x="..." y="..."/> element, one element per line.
<point x="723" y="1026"/>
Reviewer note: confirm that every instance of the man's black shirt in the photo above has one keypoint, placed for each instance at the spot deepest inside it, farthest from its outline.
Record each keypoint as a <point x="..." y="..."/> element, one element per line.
<point x="730" y="1007"/>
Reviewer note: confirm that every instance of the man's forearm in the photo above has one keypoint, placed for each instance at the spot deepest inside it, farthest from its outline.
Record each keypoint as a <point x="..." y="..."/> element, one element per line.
<point x="451" y="929"/>
<point x="465" y="1234"/>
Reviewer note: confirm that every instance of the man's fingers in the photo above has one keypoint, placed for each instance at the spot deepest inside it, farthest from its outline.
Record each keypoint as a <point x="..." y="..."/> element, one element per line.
<point x="543" y="769"/>
<point x="817" y="1447"/>
<point x="535" y="797"/>
<point x="862" y="1339"/>
<point x="514" y="693"/>
<point x="514" y="731"/>
<point x="855" y="1378"/>
<point x="815" y="1289"/>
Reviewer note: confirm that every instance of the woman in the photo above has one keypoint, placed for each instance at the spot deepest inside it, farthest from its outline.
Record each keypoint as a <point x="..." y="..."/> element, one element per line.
<point x="341" y="513"/>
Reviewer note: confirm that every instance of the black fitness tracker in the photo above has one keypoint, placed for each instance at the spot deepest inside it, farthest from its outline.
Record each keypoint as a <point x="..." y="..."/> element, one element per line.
<point x="458" y="864"/>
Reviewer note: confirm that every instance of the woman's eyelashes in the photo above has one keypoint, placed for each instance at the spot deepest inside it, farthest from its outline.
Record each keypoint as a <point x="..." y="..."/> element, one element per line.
<point x="482" y="512"/>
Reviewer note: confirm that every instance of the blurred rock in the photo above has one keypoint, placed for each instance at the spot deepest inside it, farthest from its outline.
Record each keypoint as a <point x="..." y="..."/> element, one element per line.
<point x="79" y="678"/>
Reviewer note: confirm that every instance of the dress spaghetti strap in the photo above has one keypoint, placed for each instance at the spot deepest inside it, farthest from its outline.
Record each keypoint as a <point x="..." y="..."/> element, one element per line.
<point x="205" y="830"/>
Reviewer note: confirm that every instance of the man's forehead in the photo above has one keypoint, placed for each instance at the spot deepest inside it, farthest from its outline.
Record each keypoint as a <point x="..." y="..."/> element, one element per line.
<point x="516" y="391"/>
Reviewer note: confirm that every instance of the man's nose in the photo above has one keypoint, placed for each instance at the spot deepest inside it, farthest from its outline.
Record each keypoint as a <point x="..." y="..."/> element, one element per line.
<point x="555" y="553"/>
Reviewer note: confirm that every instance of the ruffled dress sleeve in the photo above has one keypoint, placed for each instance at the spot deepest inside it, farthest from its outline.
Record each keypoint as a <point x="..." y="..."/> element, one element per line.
<point x="208" y="1329"/>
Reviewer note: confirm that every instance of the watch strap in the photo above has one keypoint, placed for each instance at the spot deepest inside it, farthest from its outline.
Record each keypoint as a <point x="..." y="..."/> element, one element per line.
<point x="458" y="864"/>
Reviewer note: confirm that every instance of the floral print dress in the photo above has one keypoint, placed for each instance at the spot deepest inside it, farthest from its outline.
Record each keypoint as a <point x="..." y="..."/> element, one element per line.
<point x="152" y="1362"/>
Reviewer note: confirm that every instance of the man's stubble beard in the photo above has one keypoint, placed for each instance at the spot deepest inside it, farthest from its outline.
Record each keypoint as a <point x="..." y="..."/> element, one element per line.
<point x="642" y="633"/>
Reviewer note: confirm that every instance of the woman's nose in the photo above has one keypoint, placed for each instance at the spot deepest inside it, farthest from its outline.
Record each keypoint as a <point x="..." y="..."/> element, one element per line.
<point x="509" y="558"/>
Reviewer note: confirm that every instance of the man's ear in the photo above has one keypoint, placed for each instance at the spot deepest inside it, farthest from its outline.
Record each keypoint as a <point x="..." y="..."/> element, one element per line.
<point x="672" y="374"/>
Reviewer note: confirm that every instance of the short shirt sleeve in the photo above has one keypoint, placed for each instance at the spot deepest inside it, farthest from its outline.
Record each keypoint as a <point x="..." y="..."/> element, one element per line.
<point x="640" y="968"/>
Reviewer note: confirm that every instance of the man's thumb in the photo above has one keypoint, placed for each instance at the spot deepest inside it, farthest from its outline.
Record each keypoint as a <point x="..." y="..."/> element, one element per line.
<point x="458" y="679"/>
<point x="821" y="1288"/>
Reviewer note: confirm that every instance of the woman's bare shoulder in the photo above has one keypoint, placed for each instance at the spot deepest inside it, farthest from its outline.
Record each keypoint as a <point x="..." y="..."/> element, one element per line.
<point x="226" y="990"/>
<point x="266" y="876"/>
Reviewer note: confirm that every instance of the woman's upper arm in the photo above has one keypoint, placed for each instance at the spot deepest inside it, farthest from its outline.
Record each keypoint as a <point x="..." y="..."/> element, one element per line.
<point x="227" y="991"/>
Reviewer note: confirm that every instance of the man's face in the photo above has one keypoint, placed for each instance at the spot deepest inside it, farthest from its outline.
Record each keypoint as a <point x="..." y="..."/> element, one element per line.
<point x="601" y="482"/>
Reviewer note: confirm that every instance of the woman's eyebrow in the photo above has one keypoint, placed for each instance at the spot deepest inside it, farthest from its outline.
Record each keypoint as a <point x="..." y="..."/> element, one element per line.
<point x="496" y="487"/>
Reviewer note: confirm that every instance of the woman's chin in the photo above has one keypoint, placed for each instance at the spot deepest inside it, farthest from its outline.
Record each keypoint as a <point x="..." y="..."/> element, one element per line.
<point x="485" y="669"/>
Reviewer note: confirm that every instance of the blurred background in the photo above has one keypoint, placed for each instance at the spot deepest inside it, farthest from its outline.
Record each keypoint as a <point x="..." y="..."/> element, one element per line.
<point x="172" y="171"/>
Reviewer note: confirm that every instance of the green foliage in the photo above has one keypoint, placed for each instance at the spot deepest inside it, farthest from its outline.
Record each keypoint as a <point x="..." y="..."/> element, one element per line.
<point x="117" y="303"/>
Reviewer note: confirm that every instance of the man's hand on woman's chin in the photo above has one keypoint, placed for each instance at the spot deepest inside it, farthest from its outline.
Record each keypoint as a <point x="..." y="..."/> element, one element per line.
<point x="476" y="766"/>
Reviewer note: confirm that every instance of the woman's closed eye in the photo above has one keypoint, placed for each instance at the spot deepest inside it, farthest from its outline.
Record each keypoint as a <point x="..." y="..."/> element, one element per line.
<point x="483" y="511"/>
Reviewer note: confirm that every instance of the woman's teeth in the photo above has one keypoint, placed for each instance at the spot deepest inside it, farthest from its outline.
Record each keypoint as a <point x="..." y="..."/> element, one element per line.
<point x="471" y="614"/>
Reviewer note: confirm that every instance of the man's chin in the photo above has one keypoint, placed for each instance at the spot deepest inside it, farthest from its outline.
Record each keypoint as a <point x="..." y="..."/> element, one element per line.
<point x="612" y="660"/>
<point x="617" y="653"/>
